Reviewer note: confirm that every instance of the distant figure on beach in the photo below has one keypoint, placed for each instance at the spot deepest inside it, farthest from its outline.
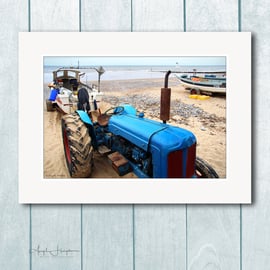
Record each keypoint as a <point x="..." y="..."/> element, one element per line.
<point x="83" y="98"/>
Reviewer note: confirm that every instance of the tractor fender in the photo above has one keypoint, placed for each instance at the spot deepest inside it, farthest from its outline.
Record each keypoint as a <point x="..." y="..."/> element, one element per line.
<point x="84" y="117"/>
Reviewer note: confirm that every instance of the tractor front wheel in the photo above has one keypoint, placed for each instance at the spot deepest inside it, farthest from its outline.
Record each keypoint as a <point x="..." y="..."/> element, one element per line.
<point x="204" y="170"/>
<point x="77" y="146"/>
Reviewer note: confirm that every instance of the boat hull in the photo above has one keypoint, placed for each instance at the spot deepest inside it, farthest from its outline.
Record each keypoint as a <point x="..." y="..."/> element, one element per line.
<point x="204" y="86"/>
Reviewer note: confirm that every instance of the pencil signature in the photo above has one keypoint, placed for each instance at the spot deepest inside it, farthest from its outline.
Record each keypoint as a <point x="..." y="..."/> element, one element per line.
<point x="58" y="252"/>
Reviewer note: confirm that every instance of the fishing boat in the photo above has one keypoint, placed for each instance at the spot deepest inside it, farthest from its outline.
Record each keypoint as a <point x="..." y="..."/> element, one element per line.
<point x="208" y="84"/>
<point x="64" y="91"/>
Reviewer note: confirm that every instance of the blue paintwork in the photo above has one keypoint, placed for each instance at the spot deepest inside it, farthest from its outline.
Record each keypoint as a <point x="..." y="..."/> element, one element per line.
<point x="84" y="117"/>
<point x="128" y="109"/>
<point x="155" y="137"/>
<point x="137" y="170"/>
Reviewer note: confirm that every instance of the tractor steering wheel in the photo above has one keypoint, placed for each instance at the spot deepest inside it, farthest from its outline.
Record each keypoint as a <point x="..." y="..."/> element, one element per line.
<point x="115" y="110"/>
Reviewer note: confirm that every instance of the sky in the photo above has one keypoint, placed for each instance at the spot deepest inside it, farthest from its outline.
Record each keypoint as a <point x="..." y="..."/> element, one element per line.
<point x="134" y="61"/>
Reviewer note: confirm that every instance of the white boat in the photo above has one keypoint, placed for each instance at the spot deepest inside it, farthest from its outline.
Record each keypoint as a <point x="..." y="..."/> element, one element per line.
<point x="67" y="101"/>
<point x="64" y="91"/>
<point x="203" y="84"/>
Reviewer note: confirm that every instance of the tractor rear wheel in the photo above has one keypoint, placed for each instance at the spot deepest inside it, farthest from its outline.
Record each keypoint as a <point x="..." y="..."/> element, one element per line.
<point x="204" y="170"/>
<point x="77" y="146"/>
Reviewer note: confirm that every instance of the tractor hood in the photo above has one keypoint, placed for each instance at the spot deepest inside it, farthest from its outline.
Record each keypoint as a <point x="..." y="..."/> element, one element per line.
<point x="145" y="132"/>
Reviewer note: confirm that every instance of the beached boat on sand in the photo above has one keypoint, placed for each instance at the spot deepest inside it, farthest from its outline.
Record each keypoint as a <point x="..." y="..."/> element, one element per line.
<point x="64" y="91"/>
<point x="208" y="84"/>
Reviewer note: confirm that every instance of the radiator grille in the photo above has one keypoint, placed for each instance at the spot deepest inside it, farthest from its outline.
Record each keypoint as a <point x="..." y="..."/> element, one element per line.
<point x="181" y="163"/>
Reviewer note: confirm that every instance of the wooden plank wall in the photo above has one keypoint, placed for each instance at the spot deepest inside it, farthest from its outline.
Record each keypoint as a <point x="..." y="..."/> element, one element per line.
<point x="141" y="237"/>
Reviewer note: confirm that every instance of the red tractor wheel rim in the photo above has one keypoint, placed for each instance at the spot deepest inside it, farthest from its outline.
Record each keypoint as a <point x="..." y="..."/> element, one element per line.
<point x="66" y="145"/>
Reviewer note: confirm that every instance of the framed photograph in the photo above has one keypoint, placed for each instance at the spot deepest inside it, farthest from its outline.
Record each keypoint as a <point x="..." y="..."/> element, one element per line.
<point x="134" y="117"/>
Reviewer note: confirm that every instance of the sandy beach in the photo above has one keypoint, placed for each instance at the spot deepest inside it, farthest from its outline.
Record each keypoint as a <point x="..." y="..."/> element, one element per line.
<point x="205" y="118"/>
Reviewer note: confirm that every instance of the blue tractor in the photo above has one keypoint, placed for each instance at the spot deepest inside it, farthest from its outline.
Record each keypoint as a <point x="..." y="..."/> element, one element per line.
<point x="149" y="148"/>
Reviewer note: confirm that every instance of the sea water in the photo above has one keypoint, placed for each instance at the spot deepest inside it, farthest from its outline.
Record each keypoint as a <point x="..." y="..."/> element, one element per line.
<point x="129" y="72"/>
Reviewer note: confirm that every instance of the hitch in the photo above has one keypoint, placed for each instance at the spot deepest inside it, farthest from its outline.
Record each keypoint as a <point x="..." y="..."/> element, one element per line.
<point x="165" y="100"/>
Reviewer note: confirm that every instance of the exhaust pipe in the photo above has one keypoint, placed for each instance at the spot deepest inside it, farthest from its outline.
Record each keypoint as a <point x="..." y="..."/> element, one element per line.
<point x="165" y="100"/>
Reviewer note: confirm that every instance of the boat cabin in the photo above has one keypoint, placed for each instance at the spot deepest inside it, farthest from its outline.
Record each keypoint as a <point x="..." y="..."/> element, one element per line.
<point x="68" y="78"/>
